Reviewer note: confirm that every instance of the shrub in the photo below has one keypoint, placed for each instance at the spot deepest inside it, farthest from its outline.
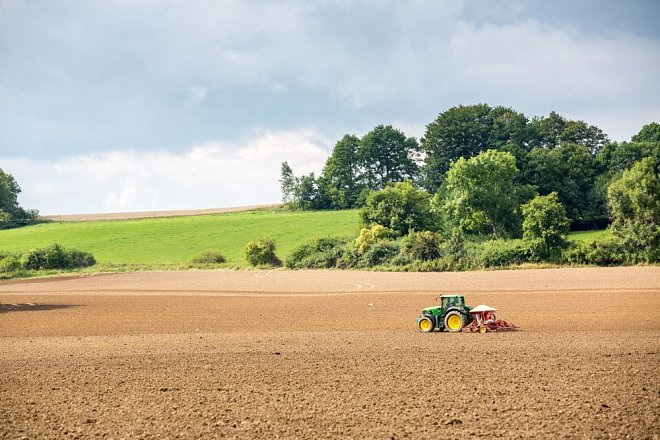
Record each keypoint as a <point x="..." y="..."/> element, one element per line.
<point x="262" y="253"/>
<point x="608" y="252"/>
<point x="10" y="264"/>
<point x="208" y="258"/>
<point x="318" y="254"/>
<point x="426" y="246"/>
<point x="379" y="253"/>
<point x="369" y="236"/>
<point x="498" y="253"/>
<point x="56" y="257"/>
<point x="81" y="258"/>
<point x="35" y="259"/>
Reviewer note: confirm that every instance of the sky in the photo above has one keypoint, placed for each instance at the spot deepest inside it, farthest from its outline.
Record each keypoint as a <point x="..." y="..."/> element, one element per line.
<point x="140" y="105"/>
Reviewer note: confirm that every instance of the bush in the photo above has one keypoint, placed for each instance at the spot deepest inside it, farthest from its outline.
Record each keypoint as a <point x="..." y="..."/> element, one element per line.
<point x="426" y="246"/>
<point x="56" y="257"/>
<point x="322" y="253"/>
<point x="81" y="258"/>
<point x="209" y="258"/>
<point x="600" y="253"/>
<point x="262" y="253"/>
<point x="369" y="236"/>
<point x="10" y="264"/>
<point x="379" y="253"/>
<point x="499" y="253"/>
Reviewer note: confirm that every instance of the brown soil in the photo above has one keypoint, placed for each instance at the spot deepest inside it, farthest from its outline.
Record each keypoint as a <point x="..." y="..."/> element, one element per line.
<point x="151" y="214"/>
<point x="328" y="354"/>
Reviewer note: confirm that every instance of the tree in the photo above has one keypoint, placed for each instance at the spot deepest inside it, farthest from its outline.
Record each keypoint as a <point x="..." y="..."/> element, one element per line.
<point x="648" y="133"/>
<point x="555" y="130"/>
<point x="480" y="195"/>
<point x="11" y="213"/>
<point x="386" y="156"/>
<point x="287" y="183"/>
<point x="400" y="207"/>
<point x="634" y="201"/>
<point x="545" y="226"/>
<point x="465" y="131"/>
<point x="299" y="192"/>
<point x="339" y="178"/>
<point x="462" y="131"/>
<point x="570" y="171"/>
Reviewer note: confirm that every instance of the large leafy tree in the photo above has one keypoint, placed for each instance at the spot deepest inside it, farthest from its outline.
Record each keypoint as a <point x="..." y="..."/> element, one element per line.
<point x="465" y="131"/>
<point x="400" y="207"/>
<point x="634" y="201"/>
<point x="339" y="179"/>
<point x="386" y="155"/>
<point x="554" y="130"/>
<point x="480" y="195"/>
<point x="570" y="171"/>
<point x="545" y="226"/>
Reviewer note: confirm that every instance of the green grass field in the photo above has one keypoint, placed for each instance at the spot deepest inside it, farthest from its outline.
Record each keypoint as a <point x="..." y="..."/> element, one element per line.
<point x="176" y="240"/>
<point x="589" y="235"/>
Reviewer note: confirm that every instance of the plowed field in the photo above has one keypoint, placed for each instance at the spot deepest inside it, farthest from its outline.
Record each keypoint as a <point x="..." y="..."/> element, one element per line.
<point x="329" y="354"/>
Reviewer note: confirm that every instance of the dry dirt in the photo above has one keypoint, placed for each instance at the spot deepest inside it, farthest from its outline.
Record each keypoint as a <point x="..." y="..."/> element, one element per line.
<point x="328" y="354"/>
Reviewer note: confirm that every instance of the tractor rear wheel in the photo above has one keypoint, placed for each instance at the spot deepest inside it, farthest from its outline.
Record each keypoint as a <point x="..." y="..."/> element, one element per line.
<point x="454" y="321"/>
<point x="425" y="325"/>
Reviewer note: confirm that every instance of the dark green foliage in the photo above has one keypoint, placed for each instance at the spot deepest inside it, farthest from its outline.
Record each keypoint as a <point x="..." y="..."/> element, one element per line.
<point x="599" y="253"/>
<point x="424" y="245"/>
<point x="634" y="201"/>
<point x="570" y="171"/>
<point x="323" y="253"/>
<point x="545" y="226"/>
<point x="56" y="257"/>
<point x="339" y="178"/>
<point x="262" y="253"/>
<point x="480" y="196"/>
<point x="400" y="207"/>
<point x="378" y="254"/>
<point x="387" y="156"/>
<point x="81" y="258"/>
<point x="502" y="253"/>
<point x="462" y="131"/>
<point x="11" y="214"/>
<point x="648" y="133"/>
<point x="554" y="130"/>
<point x="209" y="258"/>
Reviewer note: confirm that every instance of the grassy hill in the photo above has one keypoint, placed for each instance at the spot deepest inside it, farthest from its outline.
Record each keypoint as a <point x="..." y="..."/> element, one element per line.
<point x="176" y="240"/>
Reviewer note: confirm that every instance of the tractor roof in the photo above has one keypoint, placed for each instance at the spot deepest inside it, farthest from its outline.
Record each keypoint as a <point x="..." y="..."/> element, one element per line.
<point x="482" y="308"/>
<point x="451" y="296"/>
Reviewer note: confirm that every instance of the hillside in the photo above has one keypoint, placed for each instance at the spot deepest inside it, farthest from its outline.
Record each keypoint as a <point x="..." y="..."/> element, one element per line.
<point x="176" y="240"/>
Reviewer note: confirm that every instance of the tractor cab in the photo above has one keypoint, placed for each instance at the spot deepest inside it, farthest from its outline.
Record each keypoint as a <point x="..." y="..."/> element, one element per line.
<point x="448" y="301"/>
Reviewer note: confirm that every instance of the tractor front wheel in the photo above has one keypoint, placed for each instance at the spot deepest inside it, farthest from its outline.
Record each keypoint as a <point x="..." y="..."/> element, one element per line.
<point x="454" y="321"/>
<point x="425" y="325"/>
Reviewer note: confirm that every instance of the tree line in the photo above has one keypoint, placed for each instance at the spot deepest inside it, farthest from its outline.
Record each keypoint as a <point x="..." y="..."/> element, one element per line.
<point x="539" y="155"/>
<point x="11" y="213"/>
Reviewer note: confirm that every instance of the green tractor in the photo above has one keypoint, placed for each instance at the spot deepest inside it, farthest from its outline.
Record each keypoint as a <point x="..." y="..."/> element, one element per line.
<point x="452" y="314"/>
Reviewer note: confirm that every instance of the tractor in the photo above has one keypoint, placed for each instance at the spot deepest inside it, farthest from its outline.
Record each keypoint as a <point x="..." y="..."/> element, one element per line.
<point x="452" y="314"/>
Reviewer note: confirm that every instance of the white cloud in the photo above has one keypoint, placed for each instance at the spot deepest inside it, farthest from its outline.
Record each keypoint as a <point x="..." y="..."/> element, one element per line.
<point x="205" y="176"/>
